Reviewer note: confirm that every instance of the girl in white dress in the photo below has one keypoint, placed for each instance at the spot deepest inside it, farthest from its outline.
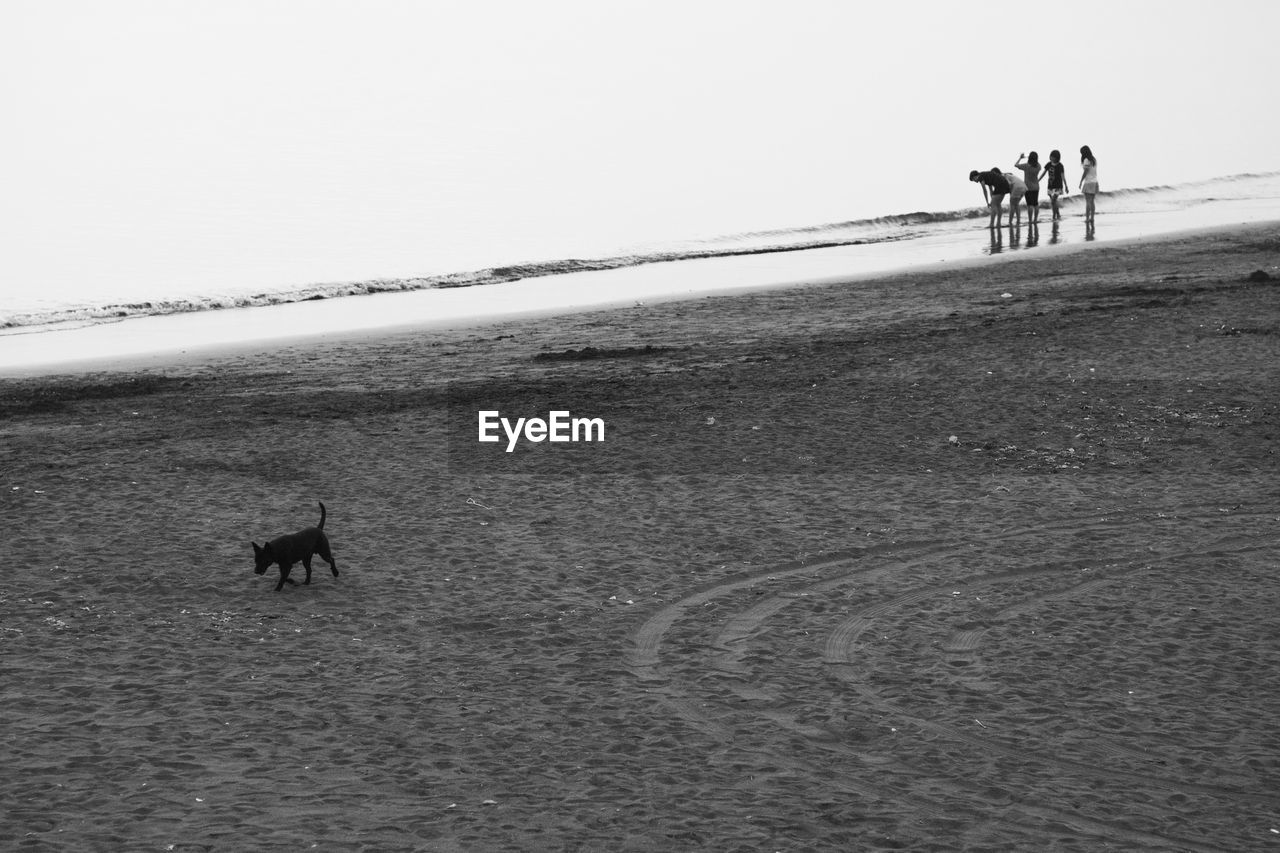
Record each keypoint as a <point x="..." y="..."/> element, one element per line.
<point x="1088" y="181"/>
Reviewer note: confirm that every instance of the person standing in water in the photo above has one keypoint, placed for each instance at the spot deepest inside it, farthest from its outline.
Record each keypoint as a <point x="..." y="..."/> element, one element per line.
<point x="1057" y="180"/>
<point x="1088" y="182"/>
<point x="1017" y="189"/>
<point x="999" y="185"/>
<point x="1030" y="167"/>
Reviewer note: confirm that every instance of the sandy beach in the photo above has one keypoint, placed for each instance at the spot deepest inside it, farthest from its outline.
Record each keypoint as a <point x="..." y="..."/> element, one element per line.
<point x="979" y="558"/>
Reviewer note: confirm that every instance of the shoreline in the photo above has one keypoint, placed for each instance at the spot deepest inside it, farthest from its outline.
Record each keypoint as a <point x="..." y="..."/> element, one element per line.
<point x="980" y="557"/>
<point x="168" y="341"/>
<point x="1240" y="198"/>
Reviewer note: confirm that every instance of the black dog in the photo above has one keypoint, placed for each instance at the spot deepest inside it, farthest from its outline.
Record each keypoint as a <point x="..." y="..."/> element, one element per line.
<point x="287" y="550"/>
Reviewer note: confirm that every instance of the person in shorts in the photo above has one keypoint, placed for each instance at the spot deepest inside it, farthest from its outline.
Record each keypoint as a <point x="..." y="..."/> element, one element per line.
<point x="1029" y="165"/>
<point x="1057" y="173"/>
<point x="999" y="186"/>
<point x="1017" y="189"/>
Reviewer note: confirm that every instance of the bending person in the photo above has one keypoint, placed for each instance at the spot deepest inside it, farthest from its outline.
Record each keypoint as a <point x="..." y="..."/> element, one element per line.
<point x="995" y="181"/>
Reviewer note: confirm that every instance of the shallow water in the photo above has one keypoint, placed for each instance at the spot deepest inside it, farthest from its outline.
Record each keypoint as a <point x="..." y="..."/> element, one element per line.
<point x="900" y="246"/>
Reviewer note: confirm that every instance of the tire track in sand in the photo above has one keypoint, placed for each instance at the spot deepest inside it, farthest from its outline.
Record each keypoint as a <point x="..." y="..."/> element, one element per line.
<point x="676" y="678"/>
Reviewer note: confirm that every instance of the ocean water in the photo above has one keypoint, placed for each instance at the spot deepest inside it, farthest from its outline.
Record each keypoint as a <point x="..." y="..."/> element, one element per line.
<point x="45" y="330"/>
<point x="820" y="250"/>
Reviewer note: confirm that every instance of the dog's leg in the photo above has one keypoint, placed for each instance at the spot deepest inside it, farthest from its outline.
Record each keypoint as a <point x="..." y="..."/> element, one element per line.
<point x="284" y="576"/>
<point x="322" y="548"/>
<point x="306" y="564"/>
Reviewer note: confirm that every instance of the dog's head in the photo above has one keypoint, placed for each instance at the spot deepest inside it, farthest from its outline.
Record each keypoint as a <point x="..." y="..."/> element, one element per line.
<point x="262" y="558"/>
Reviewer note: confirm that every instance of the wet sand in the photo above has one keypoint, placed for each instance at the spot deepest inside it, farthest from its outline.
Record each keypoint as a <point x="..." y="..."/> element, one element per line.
<point x="982" y="558"/>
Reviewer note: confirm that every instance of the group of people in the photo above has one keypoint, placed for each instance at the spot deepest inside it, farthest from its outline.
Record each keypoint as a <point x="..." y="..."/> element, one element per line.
<point x="1001" y="184"/>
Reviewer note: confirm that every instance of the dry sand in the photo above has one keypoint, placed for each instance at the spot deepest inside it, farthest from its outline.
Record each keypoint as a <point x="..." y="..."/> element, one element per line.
<point x="779" y="608"/>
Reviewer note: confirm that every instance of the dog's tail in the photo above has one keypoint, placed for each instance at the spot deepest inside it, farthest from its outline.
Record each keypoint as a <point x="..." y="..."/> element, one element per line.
<point x="320" y="526"/>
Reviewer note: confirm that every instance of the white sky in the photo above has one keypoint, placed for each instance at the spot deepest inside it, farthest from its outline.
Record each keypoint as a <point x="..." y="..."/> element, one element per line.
<point x="821" y="109"/>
